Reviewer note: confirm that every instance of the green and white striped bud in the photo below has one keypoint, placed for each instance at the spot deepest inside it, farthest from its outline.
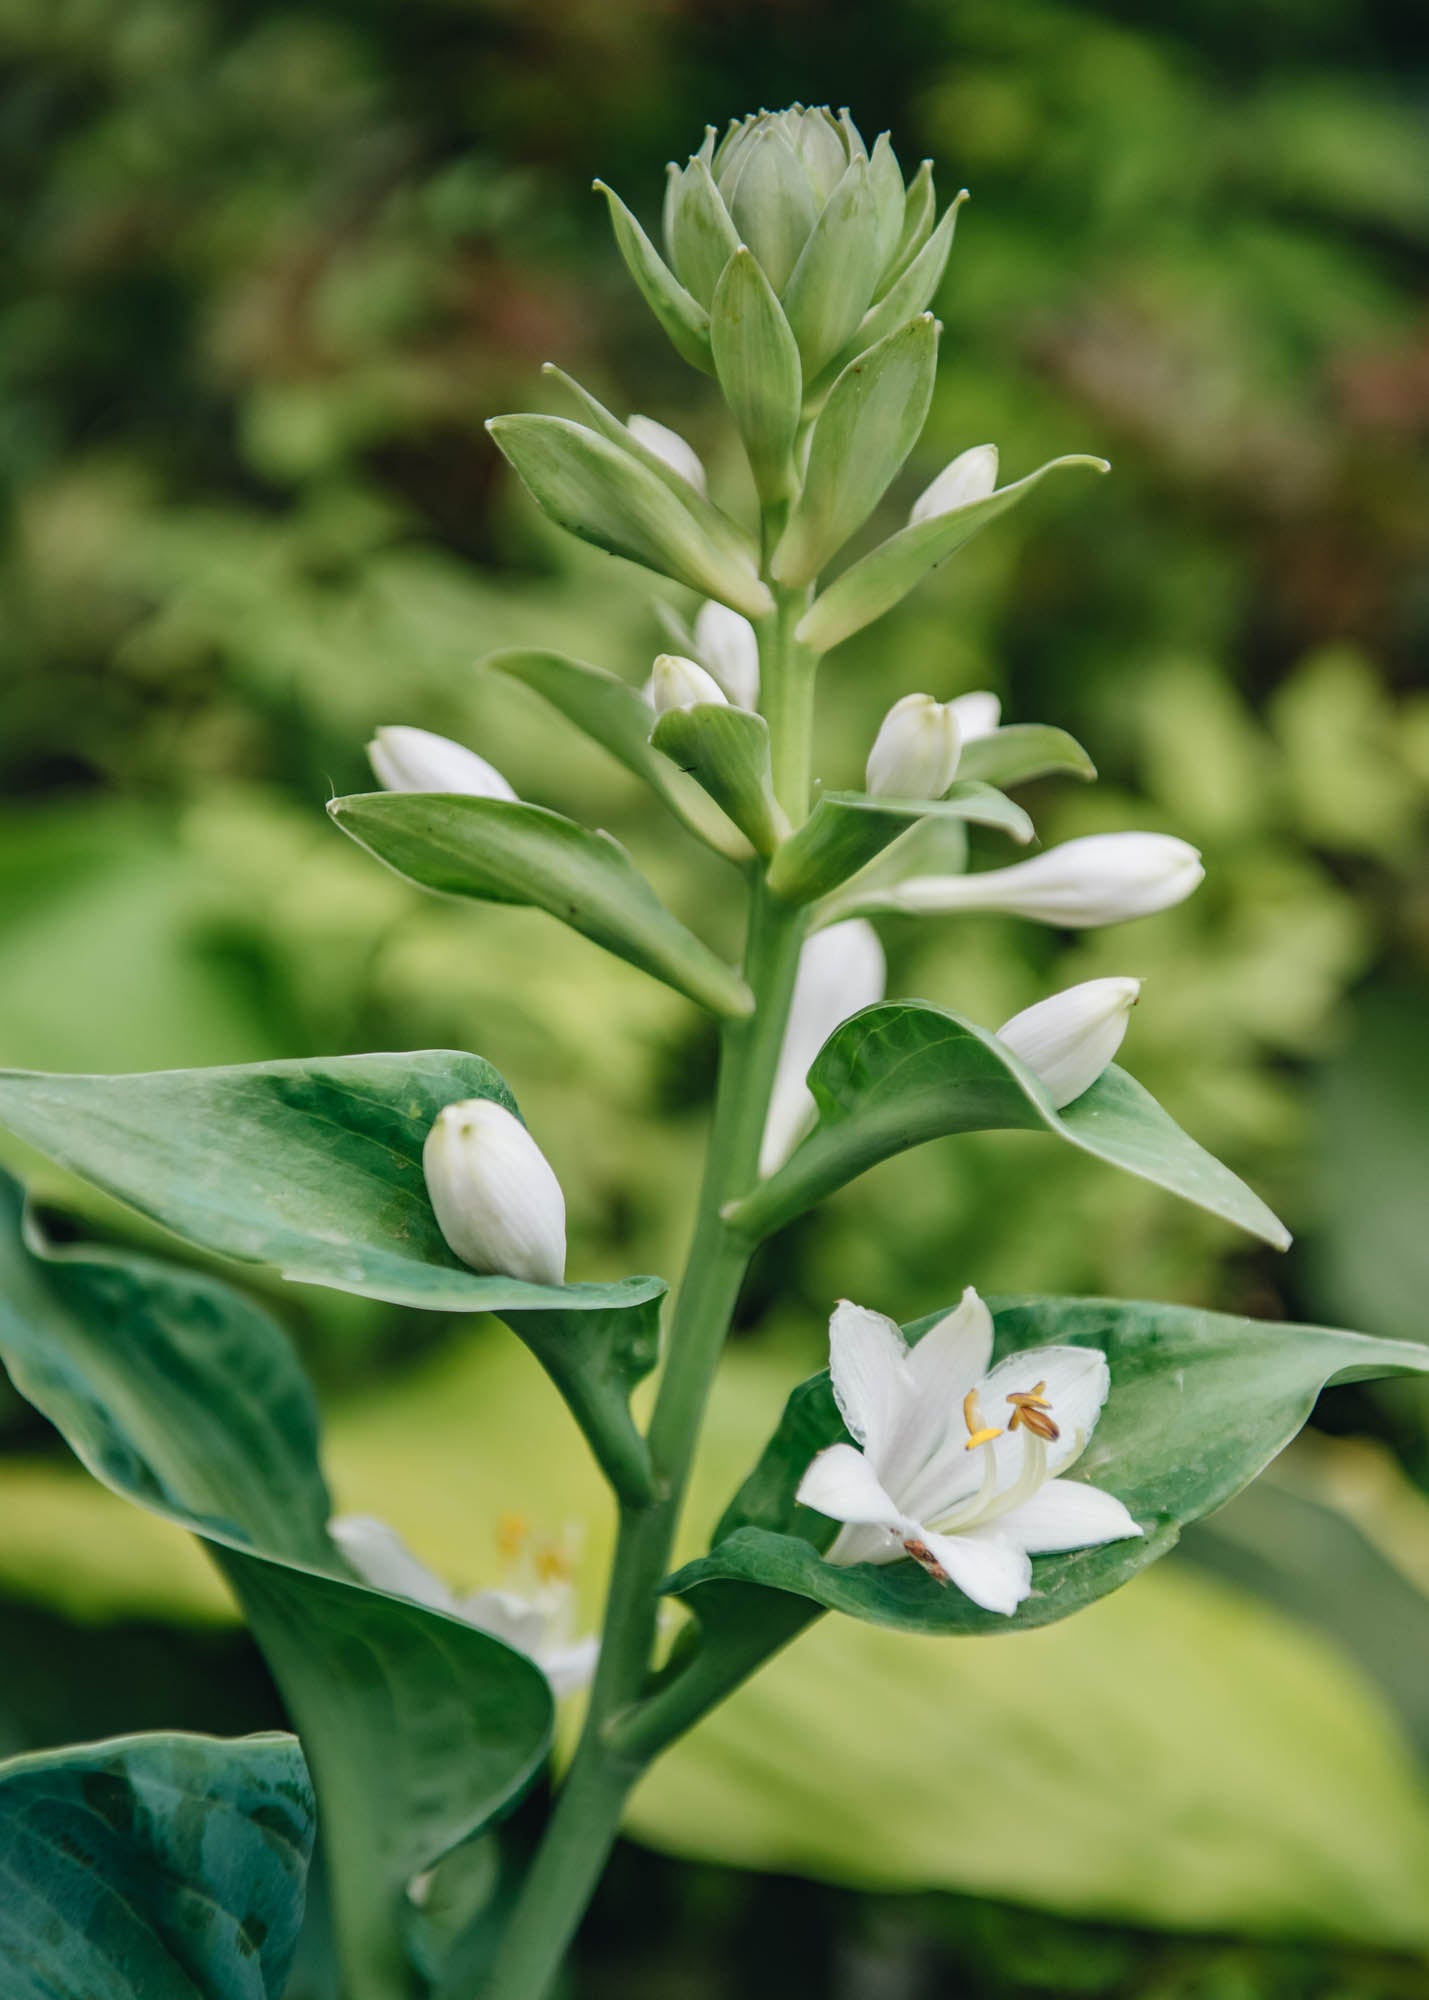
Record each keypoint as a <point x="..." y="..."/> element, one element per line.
<point x="915" y="754"/>
<point x="497" y="1202"/>
<point x="1068" y="1040"/>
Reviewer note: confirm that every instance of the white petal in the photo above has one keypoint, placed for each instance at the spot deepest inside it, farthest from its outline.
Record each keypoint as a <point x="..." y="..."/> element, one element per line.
<point x="972" y="475"/>
<point x="520" y="1621"/>
<point x="841" y="1483"/>
<point x="1067" y="1515"/>
<point x="976" y="714"/>
<point x="382" y="1558"/>
<point x="680" y="683"/>
<point x="570" y="1667"/>
<point x="497" y="1202"/>
<point x="1068" y="1039"/>
<point x="868" y="1360"/>
<point x="679" y="455"/>
<point x="993" y="1573"/>
<point x="727" y="644"/>
<point x="1104" y="878"/>
<point x="418" y="760"/>
<point x="955" y="1353"/>
<point x="915" y="753"/>
<point x="1077" y="1380"/>
<point x="841" y="970"/>
<point x="936" y="1472"/>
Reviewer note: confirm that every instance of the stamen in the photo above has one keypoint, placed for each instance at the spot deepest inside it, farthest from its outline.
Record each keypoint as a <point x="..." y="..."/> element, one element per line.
<point x="924" y="1557"/>
<point x="552" y="1564"/>
<point x="513" y="1531"/>
<point x="978" y="1431"/>
<point x="1029" y="1409"/>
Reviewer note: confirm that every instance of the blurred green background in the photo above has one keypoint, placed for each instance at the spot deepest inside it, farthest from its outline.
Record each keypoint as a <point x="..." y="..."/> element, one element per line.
<point x="269" y="266"/>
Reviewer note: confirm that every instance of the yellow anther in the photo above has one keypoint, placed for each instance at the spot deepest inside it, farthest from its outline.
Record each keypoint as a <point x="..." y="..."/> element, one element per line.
<point x="552" y="1564"/>
<point x="978" y="1431"/>
<point x="1030" y="1409"/>
<point x="513" y="1531"/>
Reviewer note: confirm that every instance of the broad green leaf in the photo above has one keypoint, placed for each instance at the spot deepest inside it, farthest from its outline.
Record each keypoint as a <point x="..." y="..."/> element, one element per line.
<point x="606" y="494"/>
<point x="865" y="431"/>
<point x="497" y="851"/>
<point x="684" y="319"/>
<point x="899" y="1074"/>
<point x="418" y="1728"/>
<point x="316" y="1168"/>
<point x="758" y="366"/>
<point x="727" y="750"/>
<point x="876" y="582"/>
<point x="1021" y="751"/>
<point x="620" y="719"/>
<point x="834" y="277"/>
<point x="166" y="1867"/>
<point x="846" y="830"/>
<point x="911" y="292"/>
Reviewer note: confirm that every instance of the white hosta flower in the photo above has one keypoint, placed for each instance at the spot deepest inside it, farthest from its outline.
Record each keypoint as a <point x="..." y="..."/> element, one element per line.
<point x="680" y="456"/>
<point x="727" y="644"/>
<point x="679" y="683"/>
<point x="976" y="714"/>
<point x="841" y="970"/>
<point x="497" y="1202"/>
<point x="1104" y="878"/>
<point x="537" y="1619"/>
<point x="418" y="760"/>
<point x="915" y="753"/>
<point x="1068" y="1040"/>
<point x="972" y="475"/>
<point x="956" y="1465"/>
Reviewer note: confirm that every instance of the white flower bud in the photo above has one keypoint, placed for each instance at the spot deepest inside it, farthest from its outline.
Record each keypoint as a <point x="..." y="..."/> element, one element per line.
<point x="841" y="971"/>
<point x="1068" y="1040"/>
<point x="497" y="1202"/>
<point x="972" y="475"/>
<point x="678" y="683"/>
<point x="418" y="760"/>
<point x="915" y="754"/>
<point x="976" y="714"/>
<point x="726" y="643"/>
<point x="671" y="447"/>
<point x="1104" y="878"/>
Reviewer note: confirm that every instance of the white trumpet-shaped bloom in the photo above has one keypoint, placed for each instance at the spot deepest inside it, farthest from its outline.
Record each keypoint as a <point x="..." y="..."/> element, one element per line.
<point x="676" y="682"/>
<point x="498" y="1204"/>
<point x="976" y="714"/>
<point x="915" y="753"/>
<point x="537" y="1619"/>
<point x="958" y="1465"/>
<point x="972" y="475"/>
<point x="1068" y="1039"/>
<point x="841" y="970"/>
<point x="1103" y="878"/>
<point x="418" y="760"/>
<point x="668" y="445"/>
<point x="729" y="647"/>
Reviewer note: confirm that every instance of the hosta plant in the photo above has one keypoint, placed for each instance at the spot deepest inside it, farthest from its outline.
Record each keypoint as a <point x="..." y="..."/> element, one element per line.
<point x="997" y="1464"/>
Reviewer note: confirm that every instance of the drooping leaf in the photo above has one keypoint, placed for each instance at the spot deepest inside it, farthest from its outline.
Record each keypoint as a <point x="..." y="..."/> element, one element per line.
<point x="418" y="1728"/>
<point x="876" y="582"/>
<point x="758" y="366"/>
<point x="620" y="719"/>
<point x="846" y="830"/>
<point x="165" y="1867"/>
<point x="899" y="1074"/>
<point x="727" y="750"/>
<point x="498" y="851"/>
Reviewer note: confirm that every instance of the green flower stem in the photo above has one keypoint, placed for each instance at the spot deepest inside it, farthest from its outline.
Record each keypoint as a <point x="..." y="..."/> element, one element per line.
<point x="788" y="671"/>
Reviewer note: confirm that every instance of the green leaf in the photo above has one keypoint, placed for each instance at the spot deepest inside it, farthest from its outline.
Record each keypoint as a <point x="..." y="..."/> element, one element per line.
<point x="877" y="581"/>
<point x="500" y="852"/>
<point x="834" y="277"/>
<point x="862" y="436"/>
<point x="897" y="1075"/>
<point x="606" y="494"/>
<point x="911" y="291"/>
<point x="620" y="719"/>
<point x="699" y="233"/>
<point x="727" y="750"/>
<point x="684" y="319"/>
<point x="418" y="1728"/>
<point x="758" y="366"/>
<point x="1021" y="751"/>
<point x="846" y="830"/>
<point x="154" y="1868"/>
<point x="1200" y="1402"/>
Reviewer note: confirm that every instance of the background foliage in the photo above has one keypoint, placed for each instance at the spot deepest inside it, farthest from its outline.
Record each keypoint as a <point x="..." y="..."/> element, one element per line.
<point x="270" y="268"/>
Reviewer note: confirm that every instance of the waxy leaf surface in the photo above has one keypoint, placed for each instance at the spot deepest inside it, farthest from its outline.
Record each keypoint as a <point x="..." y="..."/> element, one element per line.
<point x="846" y="830"/>
<point x="727" y="750"/>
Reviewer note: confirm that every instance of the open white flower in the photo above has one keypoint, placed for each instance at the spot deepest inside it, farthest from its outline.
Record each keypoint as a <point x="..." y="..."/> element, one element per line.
<point x="728" y="646"/>
<point x="1103" y="878"/>
<point x="668" y="445"/>
<point x="534" y="1613"/>
<point x="1068" y="1039"/>
<point x="841" y="970"/>
<point x="958" y="1466"/>
<point x="418" y="760"/>
<point x="971" y="476"/>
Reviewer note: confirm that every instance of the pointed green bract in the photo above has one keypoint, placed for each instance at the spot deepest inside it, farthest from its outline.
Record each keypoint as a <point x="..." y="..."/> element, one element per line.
<point x="905" y="1072"/>
<point x="834" y="277"/>
<point x="878" y="580"/>
<point x="772" y="203"/>
<point x="864" y="433"/>
<point x="699" y="234"/>
<point x="164" y="1867"/>
<point x="911" y="292"/>
<point x="846" y="830"/>
<point x="684" y="319"/>
<point x="727" y="750"/>
<point x="604" y="493"/>
<point x="494" y="850"/>
<point x="758" y="366"/>
<point x="619" y="718"/>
